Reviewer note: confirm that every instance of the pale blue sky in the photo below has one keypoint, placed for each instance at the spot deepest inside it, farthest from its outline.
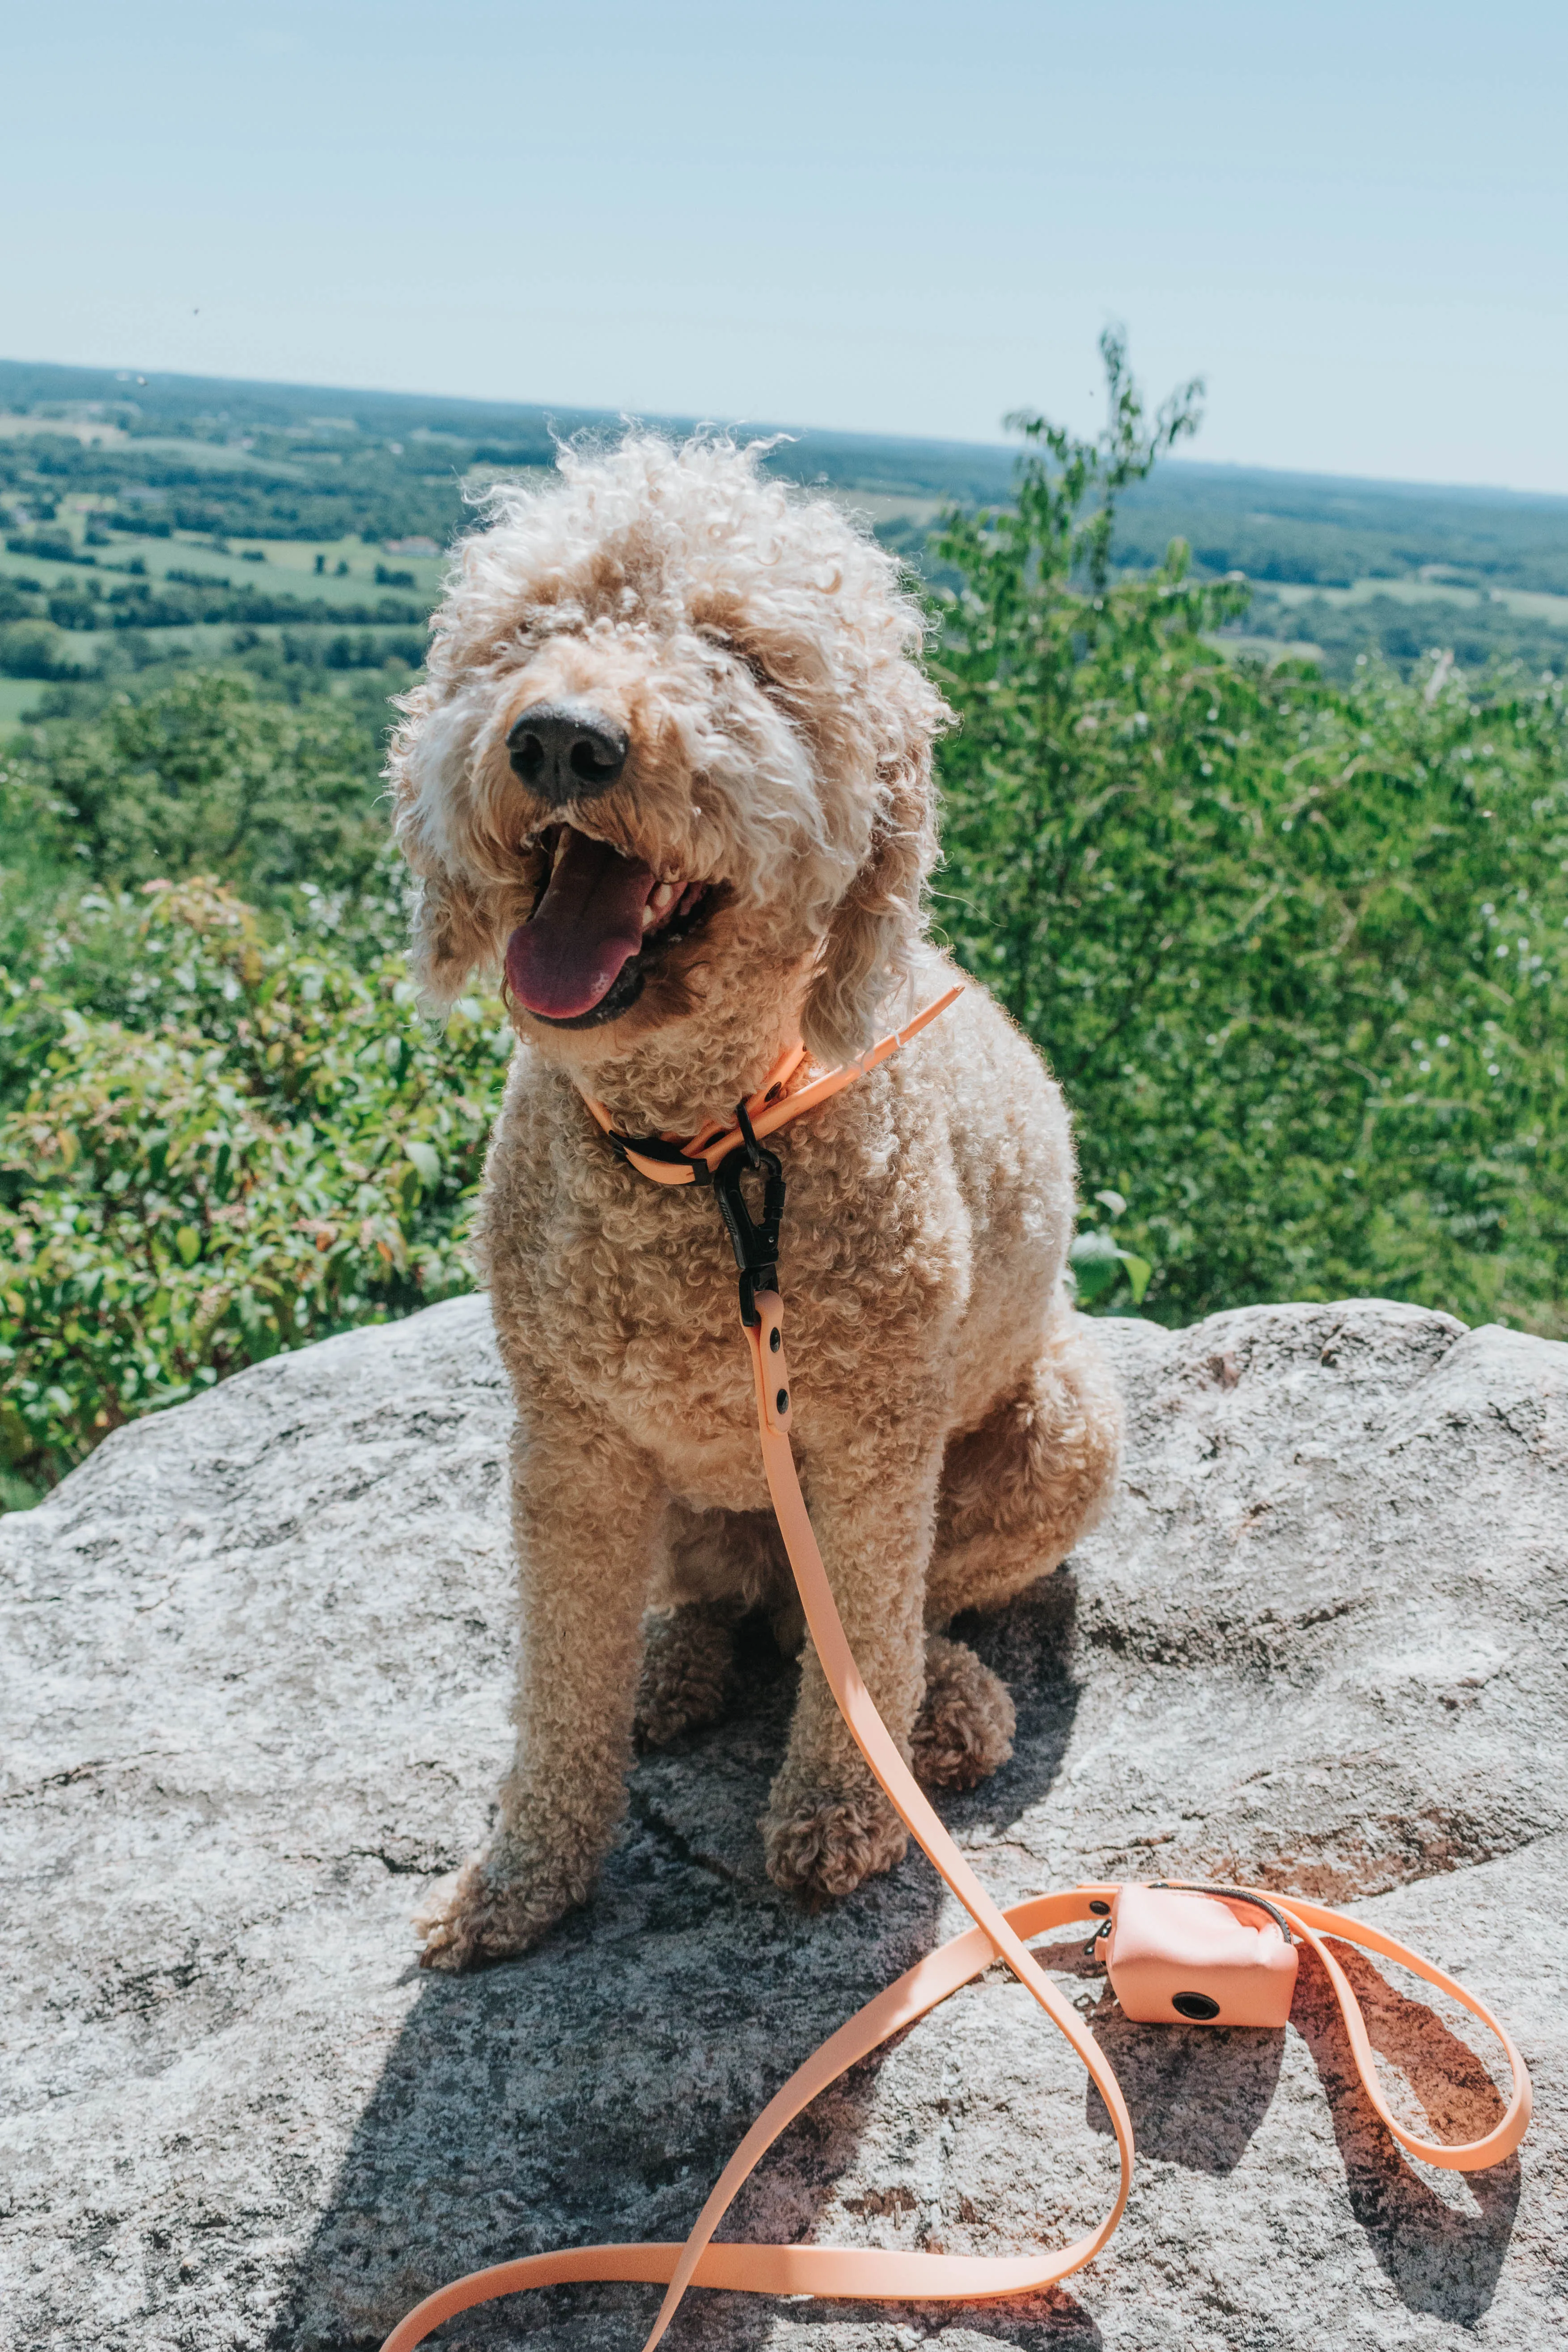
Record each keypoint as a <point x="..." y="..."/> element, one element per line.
<point x="883" y="214"/>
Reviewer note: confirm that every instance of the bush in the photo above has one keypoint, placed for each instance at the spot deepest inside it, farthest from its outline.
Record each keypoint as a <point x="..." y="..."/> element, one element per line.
<point x="279" y="1148"/>
<point x="1296" y="952"/>
<point x="53" y="546"/>
<point x="203" y="776"/>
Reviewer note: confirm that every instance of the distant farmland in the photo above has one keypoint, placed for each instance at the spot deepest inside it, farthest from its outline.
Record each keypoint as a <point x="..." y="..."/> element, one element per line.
<point x="145" y="517"/>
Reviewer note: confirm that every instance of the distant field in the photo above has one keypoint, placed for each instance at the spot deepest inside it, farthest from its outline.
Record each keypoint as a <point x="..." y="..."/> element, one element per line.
<point x="288" y="564"/>
<point x="294" y="473"/>
<point x="1529" y="604"/>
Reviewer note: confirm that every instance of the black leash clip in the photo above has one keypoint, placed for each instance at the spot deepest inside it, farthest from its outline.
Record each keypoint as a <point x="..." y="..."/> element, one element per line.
<point x="755" y="1239"/>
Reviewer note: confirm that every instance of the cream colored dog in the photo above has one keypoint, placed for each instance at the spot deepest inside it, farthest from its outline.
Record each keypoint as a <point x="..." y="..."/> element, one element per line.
<point x="670" y="770"/>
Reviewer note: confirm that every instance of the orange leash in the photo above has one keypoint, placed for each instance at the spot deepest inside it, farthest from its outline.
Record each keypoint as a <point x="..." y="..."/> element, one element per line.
<point x="670" y="1162"/>
<point x="863" y="2273"/>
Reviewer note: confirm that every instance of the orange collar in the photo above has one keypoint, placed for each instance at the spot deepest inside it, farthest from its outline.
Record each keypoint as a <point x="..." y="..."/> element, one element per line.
<point x="670" y="1161"/>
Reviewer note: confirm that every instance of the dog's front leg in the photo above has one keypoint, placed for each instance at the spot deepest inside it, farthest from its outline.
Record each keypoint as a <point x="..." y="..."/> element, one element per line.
<point x="586" y="1509"/>
<point x="873" y="1505"/>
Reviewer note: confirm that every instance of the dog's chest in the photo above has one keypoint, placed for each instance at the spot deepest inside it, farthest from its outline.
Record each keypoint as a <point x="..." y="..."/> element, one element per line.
<point x="623" y="1293"/>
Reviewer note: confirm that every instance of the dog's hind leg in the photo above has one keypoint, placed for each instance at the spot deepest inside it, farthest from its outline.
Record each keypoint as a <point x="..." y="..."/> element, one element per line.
<point x="965" y="1726"/>
<point x="716" y="1566"/>
<point x="1019" y="1491"/>
<point x="688" y="1655"/>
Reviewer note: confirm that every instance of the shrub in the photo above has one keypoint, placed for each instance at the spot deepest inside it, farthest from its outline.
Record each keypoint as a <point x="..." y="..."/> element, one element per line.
<point x="278" y="1149"/>
<point x="205" y="776"/>
<point x="37" y="648"/>
<point x="1296" y="953"/>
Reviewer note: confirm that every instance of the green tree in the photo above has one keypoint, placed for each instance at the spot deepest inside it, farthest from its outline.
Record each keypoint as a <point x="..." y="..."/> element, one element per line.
<point x="1296" y="952"/>
<point x="281" y="1148"/>
<point x="203" y="776"/>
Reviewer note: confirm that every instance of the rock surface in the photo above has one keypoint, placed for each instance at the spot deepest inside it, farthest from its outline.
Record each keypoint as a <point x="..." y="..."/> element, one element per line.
<point x="255" y="1661"/>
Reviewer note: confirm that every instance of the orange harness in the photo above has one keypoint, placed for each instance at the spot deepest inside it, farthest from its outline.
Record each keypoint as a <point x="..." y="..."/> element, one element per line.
<point x="718" y="1158"/>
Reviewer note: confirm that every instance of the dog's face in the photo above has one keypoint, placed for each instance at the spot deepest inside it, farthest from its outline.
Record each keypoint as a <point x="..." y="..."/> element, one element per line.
<point x="673" y="745"/>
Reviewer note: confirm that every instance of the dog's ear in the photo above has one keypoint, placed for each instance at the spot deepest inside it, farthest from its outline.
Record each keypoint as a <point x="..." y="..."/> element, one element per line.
<point x="454" y="931"/>
<point x="457" y="920"/>
<point x="868" y="953"/>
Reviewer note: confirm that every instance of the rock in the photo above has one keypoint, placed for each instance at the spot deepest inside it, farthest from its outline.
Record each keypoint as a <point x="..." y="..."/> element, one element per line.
<point x="256" y="1667"/>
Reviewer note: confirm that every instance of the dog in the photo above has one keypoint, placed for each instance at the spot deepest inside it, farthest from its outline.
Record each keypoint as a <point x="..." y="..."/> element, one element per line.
<point x="670" y="770"/>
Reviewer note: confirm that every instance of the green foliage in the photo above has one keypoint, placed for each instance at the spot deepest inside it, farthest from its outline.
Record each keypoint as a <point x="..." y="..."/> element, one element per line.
<point x="36" y="647"/>
<point x="1101" y="1264"/>
<point x="276" y="1147"/>
<point x="1296" y="952"/>
<point x="205" y="776"/>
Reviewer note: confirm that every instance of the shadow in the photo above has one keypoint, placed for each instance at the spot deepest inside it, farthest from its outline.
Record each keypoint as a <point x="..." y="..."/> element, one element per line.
<point x="1195" y="2094"/>
<point x="1439" y="2237"/>
<point x="1028" y="1643"/>
<point x="594" y="2090"/>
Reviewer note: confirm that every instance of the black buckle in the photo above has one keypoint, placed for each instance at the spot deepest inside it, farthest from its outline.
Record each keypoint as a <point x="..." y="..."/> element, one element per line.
<point x="755" y="1239"/>
<point x="655" y="1146"/>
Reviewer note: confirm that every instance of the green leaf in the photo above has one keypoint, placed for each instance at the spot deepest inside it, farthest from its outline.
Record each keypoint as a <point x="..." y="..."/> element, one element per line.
<point x="1139" y="1274"/>
<point x="1096" y="1263"/>
<point x="188" y="1242"/>
<point x="426" y="1160"/>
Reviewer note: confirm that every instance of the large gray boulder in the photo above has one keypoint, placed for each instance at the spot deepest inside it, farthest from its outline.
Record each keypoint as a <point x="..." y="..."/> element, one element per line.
<point x="257" y="1662"/>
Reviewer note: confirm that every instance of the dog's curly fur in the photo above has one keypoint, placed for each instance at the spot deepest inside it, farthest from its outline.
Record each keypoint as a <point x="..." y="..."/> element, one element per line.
<point x="956" y="1428"/>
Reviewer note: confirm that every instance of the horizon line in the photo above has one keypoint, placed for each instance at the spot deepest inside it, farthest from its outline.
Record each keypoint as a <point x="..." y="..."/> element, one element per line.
<point x="546" y="410"/>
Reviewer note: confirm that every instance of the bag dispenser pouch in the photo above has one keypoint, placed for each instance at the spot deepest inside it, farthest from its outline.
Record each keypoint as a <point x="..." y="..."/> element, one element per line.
<point x="1181" y="1957"/>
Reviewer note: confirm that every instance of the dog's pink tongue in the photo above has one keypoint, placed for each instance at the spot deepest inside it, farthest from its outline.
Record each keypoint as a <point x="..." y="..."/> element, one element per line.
<point x="587" y="924"/>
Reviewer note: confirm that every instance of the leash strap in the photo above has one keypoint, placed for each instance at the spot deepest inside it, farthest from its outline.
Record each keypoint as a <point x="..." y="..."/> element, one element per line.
<point x="863" y="2273"/>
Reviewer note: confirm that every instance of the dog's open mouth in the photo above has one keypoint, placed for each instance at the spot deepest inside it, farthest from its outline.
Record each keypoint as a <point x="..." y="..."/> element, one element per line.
<point x="599" y="924"/>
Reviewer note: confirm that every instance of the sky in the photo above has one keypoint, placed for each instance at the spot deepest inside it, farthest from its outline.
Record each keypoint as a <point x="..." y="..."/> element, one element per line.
<point x="884" y="216"/>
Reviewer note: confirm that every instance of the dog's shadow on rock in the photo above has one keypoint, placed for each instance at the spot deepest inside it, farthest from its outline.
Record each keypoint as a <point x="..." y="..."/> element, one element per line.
<point x="1028" y="1643"/>
<point x="593" y="2090"/>
<point x="1440" y="2237"/>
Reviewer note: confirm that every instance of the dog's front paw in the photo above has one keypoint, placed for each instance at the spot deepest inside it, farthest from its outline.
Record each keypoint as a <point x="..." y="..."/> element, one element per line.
<point x="964" y="1728"/>
<point x="826" y="1841"/>
<point x="494" y="1911"/>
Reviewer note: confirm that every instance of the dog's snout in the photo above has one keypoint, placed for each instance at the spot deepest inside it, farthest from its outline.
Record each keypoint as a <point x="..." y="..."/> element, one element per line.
<point x="566" y="750"/>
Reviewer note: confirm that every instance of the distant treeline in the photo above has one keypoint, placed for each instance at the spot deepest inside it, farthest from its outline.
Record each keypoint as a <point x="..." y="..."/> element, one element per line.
<point x="319" y="464"/>
<point x="1300" y="527"/>
<point x="273" y="491"/>
<point x="214" y="460"/>
<point x="170" y="603"/>
<point x="1407" y="634"/>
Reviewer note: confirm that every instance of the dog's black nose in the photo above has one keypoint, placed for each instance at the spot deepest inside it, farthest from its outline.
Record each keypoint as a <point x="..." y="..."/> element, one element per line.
<point x="566" y="750"/>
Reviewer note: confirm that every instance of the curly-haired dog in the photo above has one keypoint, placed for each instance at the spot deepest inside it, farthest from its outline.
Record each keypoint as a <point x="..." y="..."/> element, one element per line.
<point x="671" y="771"/>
